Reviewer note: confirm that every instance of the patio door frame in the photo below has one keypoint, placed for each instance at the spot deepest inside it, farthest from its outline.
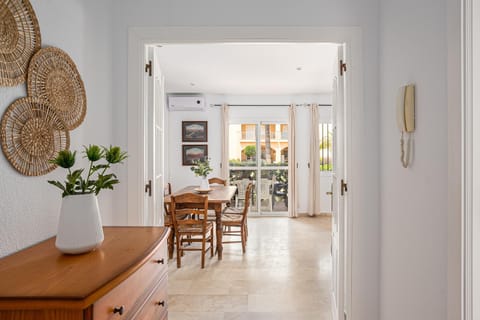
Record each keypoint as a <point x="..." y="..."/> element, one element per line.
<point x="258" y="167"/>
<point x="357" y="200"/>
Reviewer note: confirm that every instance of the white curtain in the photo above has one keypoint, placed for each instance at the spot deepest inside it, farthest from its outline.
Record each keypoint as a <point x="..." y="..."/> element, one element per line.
<point x="292" y="165"/>
<point x="314" y="174"/>
<point x="225" y="129"/>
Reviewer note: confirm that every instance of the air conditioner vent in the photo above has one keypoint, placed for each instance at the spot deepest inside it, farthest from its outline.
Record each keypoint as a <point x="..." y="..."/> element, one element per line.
<point x="184" y="102"/>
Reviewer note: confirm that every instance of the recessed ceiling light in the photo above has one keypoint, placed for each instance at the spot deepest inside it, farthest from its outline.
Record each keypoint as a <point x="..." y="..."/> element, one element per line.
<point x="299" y="68"/>
<point x="192" y="84"/>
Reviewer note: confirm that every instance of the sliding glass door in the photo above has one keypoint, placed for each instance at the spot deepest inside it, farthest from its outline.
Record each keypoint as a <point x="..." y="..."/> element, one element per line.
<point x="259" y="154"/>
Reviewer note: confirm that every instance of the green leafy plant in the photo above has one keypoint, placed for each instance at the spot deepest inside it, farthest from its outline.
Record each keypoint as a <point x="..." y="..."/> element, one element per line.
<point x="250" y="152"/>
<point x="201" y="168"/>
<point x="97" y="177"/>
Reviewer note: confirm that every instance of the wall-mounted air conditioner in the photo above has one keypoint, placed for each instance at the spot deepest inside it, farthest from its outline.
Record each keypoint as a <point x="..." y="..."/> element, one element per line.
<point x="186" y="102"/>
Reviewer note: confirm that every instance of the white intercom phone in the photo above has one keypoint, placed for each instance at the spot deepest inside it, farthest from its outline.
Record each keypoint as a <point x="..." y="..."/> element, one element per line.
<point x="406" y="119"/>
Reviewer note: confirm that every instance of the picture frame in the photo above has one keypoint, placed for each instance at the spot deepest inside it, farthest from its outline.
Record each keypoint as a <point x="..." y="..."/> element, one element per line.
<point x="194" y="131"/>
<point x="192" y="152"/>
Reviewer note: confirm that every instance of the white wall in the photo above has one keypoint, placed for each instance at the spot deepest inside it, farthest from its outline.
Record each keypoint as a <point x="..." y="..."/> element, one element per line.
<point x="413" y="47"/>
<point x="414" y="206"/>
<point x="181" y="176"/>
<point x="29" y="206"/>
<point x="454" y="268"/>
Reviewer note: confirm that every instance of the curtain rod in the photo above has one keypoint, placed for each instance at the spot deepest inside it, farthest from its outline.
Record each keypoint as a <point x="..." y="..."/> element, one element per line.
<point x="271" y="105"/>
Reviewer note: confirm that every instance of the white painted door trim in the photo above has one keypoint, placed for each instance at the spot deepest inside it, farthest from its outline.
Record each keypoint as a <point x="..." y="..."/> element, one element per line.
<point x="470" y="160"/>
<point x="138" y="37"/>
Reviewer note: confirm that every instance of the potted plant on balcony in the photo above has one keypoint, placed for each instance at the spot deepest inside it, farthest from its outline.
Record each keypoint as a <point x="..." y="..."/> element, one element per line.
<point x="80" y="226"/>
<point x="201" y="168"/>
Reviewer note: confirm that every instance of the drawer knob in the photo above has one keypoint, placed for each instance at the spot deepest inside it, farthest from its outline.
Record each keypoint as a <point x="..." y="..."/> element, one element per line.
<point x="160" y="261"/>
<point x="120" y="310"/>
<point x="161" y="303"/>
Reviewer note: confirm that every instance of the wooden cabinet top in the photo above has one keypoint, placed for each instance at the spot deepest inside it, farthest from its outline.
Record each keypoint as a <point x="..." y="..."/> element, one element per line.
<point x="41" y="272"/>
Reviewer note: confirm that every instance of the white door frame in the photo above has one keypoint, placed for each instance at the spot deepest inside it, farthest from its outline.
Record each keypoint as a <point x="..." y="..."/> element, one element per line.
<point x="139" y="37"/>
<point x="470" y="160"/>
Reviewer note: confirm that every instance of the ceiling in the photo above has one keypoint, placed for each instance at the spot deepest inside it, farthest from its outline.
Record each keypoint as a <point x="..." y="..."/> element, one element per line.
<point x="248" y="68"/>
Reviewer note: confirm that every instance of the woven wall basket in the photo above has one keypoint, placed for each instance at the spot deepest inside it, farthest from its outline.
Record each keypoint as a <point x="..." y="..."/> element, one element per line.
<point x="53" y="77"/>
<point x="19" y="40"/>
<point x="32" y="134"/>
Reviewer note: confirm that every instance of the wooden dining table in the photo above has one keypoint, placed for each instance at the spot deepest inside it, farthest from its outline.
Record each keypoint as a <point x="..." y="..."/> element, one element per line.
<point x="218" y="198"/>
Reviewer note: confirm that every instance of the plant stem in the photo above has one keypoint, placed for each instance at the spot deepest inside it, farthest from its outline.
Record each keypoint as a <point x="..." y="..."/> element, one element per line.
<point x="88" y="176"/>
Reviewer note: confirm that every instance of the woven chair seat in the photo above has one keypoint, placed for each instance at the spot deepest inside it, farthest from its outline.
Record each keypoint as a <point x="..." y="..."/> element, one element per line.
<point x="194" y="228"/>
<point x="233" y="210"/>
<point x="231" y="217"/>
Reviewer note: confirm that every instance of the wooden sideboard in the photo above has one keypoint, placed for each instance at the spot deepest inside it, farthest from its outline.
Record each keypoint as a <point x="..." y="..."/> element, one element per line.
<point x="126" y="278"/>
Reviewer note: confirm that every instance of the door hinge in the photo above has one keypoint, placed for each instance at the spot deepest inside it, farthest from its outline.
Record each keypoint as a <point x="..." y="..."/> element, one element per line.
<point x="148" y="68"/>
<point x="343" y="187"/>
<point x="343" y="67"/>
<point x="148" y="188"/>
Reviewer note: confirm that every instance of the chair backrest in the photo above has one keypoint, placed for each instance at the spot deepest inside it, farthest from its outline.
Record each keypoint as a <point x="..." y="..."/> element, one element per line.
<point x="190" y="205"/>
<point x="167" y="190"/>
<point x="265" y="185"/>
<point x="246" y="207"/>
<point x="242" y="188"/>
<point x="217" y="181"/>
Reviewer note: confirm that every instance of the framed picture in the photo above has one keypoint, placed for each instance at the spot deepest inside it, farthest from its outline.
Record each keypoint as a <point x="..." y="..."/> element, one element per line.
<point x="192" y="152"/>
<point x="194" y="131"/>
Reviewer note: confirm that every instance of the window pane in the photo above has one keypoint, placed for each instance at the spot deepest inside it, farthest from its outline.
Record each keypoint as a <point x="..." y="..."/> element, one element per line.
<point x="242" y="145"/>
<point x="274" y="144"/>
<point x="240" y="179"/>
<point x="273" y="190"/>
<point x="326" y="146"/>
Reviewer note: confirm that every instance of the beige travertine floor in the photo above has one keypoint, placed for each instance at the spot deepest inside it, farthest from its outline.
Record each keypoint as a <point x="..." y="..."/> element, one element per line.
<point x="285" y="274"/>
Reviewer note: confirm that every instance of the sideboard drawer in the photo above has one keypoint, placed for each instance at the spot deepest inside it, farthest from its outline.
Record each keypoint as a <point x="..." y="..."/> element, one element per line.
<point x="155" y="307"/>
<point x="127" y="298"/>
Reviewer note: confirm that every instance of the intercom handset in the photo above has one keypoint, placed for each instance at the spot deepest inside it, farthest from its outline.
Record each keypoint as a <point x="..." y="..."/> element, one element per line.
<point x="406" y="119"/>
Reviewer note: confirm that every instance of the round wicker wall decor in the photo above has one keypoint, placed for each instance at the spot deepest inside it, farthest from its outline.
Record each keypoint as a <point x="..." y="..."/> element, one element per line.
<point x="32" y="133"/>
<point x="53" y="77"/>
<point x="19" y="40"/>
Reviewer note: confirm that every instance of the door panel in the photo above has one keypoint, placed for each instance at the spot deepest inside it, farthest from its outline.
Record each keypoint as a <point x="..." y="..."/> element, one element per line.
<point x="338" y="173"/>
<point x="154" y="141"/>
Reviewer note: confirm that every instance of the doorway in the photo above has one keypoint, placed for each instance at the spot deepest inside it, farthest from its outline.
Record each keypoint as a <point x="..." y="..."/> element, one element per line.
<point x="136" y="125"/>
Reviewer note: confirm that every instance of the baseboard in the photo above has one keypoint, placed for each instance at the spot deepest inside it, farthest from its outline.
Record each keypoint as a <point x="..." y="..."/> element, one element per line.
<point x="321" y="214"/>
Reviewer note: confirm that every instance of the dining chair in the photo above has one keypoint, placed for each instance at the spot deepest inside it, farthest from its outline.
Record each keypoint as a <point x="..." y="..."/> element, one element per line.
<point x="193" y="229"/>
<point x="167" y="220"/>
<point x="265" y="192"/>
<point x="233" y="218"/>
<point x="241" y="189"/>
<point x="215" y="181"/>
<point x="218" y="181"/>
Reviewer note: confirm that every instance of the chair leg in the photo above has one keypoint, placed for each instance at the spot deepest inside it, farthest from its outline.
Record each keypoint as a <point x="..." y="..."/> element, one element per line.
<point x="179" y="251"/>
<point x="242" y="235"/>
<point x="171" y="241"/>
<point x="203" y="253"/>
<point x="211" y="244"/>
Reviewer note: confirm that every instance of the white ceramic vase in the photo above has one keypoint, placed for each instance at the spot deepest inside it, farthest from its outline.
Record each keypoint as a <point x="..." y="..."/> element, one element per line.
<point x="204" y="184"/>
<point x="80" y="225"/>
